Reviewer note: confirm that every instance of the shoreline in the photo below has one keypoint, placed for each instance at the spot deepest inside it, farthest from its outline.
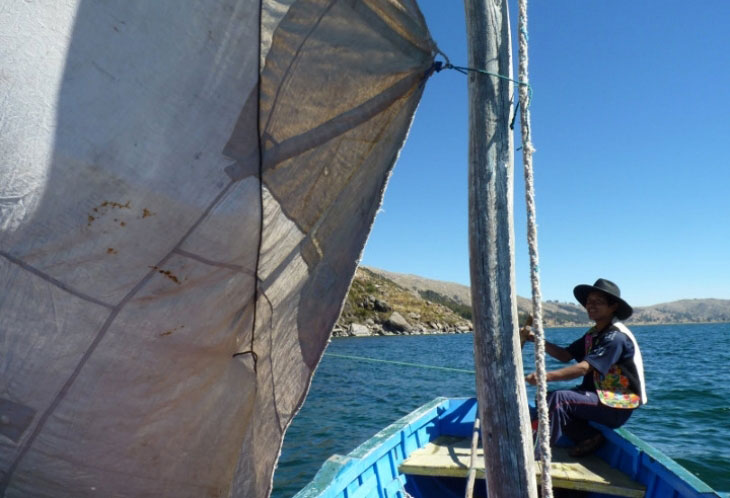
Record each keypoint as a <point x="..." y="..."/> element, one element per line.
<point x="342" y="333"/>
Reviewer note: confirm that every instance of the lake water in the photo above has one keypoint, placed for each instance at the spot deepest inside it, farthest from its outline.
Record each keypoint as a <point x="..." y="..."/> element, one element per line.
<point x="687" y="369"/>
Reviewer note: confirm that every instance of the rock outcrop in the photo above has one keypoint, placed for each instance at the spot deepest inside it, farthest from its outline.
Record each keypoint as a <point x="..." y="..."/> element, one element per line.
<point x="396" y="322"/>
<point x="376" y="305"/>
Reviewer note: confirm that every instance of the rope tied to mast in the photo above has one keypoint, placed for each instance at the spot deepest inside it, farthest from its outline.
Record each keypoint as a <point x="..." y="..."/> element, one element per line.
<point x="543" y="435"/>
<point x="439" y="66"/>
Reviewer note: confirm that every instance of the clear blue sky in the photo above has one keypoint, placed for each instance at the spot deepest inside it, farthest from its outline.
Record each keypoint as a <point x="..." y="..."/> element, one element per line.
<point x="631" y="122"/>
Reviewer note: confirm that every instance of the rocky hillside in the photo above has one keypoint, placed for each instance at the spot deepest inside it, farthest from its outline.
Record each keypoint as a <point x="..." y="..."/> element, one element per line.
<point x="414" y="283"/>
<point x="556" y="314"/>
<point x="377" y="305"/>
<point x="383" y="303"/>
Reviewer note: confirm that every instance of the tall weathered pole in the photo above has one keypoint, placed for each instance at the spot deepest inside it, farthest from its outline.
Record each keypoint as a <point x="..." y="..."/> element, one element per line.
<point x="497" y="357"/>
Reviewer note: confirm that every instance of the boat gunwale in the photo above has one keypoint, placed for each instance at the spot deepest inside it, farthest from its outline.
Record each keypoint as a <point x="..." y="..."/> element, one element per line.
<point x="345" y="468"/>
<point x="623" y="438"/>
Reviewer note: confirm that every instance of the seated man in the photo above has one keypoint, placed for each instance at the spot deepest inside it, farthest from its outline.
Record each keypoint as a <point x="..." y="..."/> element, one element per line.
<point x="608" y="359"/>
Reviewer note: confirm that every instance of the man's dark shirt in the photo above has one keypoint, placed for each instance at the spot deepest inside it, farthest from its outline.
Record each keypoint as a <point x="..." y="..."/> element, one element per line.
<point x="609" y="348"/>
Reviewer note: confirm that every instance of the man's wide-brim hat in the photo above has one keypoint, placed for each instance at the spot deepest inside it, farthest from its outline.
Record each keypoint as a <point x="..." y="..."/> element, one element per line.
<point x="623" y="311"/>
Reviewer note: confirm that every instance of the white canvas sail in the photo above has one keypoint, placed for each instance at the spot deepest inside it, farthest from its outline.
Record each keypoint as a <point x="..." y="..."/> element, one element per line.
<point x="167" y="287"/>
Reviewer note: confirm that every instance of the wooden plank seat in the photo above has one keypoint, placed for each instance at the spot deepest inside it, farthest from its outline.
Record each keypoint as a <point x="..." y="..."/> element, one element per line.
<point x="450" y="457"/>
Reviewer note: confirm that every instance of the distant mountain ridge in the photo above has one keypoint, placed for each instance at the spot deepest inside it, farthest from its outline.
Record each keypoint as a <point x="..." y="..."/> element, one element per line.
<point x="560" y="314"/>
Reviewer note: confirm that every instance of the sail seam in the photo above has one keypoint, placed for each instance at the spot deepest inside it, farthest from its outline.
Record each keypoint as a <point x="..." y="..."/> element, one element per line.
<point x="97" y="339"/>
<point x="210" y="262"/>
<point x="284" y="76"/>
<point x="57" y="283"/>
<point x="260" y="153"/>
<point x="342" y="123"/>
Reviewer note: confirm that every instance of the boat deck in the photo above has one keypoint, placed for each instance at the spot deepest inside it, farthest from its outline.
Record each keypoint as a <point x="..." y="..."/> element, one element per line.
<point x="449" y="456"/>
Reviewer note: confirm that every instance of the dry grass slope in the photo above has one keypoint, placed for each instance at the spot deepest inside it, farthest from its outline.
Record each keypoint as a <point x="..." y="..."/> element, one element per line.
<point x="561" y="314"/>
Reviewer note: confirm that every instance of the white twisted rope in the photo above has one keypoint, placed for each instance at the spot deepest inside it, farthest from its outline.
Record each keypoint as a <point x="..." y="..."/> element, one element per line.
<point x="527" y="151"/>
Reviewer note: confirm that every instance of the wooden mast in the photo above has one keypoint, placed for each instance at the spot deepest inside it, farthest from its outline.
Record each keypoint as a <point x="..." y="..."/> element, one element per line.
<point x="506" y="434"/>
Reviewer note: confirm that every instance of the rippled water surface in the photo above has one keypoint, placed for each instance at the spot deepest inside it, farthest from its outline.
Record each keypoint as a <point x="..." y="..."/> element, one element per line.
<point x="686" y="368"/>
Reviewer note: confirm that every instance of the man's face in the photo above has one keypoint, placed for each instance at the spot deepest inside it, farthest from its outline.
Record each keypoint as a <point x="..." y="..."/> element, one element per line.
<point x="598" y="308"/>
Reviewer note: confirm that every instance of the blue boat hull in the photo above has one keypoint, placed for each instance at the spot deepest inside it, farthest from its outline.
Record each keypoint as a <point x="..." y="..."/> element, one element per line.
<point x="371" y="470"/>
